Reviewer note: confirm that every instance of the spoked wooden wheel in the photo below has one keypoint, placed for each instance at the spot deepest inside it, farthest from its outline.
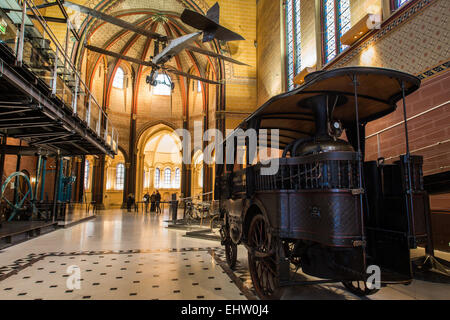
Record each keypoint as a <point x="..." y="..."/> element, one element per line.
<point x="359" y="288"/>
<point x="231" y="253"/>
<point x="262" y="260"/>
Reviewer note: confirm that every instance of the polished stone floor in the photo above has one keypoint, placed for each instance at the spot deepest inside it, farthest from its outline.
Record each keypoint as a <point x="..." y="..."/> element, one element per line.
<point x="122" y="255"/>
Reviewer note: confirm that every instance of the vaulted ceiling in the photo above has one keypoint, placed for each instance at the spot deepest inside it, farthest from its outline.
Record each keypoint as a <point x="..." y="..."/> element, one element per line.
<point x="155" y="15"/>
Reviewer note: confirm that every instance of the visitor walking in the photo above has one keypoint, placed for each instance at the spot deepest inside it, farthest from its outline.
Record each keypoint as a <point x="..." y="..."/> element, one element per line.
<point x="153" y="202"/>
<point x="158" y="202"/>
<point x="130" y="202"/>
<point x="146" y="201"/>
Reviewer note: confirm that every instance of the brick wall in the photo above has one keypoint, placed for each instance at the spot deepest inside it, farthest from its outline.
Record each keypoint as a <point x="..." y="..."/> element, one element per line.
<point x="26" y="163"/>
<point x="270" y="60"/>
<point x="308" y="31"/>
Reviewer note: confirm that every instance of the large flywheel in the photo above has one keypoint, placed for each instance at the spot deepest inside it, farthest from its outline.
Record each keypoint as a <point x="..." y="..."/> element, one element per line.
<point x="17" y="192"/>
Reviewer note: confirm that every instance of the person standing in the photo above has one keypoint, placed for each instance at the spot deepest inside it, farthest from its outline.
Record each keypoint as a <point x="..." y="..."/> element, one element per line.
<point x="130" y="202"/>
<point x="158" y="202"/>
<point x="153" y="201"/>
<point x="146" y="201"/>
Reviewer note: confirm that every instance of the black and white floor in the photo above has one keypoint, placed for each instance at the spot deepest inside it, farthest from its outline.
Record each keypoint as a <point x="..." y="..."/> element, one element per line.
<point x="122" y="255"/>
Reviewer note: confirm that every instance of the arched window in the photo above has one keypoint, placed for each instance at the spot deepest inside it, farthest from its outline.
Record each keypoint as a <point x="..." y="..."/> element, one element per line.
<point x="177" y="178"/>
<point x="200" y="178"/>
<point x="119" y="79"/>
<point x="145" y="180"/>
<point x="157" y="177"/>
<point x="163" y="88"/>
<point x="199" y="86"/>
<point x="86" y="175"/>
<point x="167" y="177"/>
<point x="293" y="41"/>
<point x="336" y="22"/>
<point x="120" y="176"/>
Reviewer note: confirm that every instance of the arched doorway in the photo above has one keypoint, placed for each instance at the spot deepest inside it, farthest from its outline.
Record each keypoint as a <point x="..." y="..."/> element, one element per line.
<point x="159" y="162"/>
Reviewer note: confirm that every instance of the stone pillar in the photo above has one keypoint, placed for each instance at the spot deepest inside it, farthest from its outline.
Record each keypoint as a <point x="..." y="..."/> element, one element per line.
<point x="131" y="181"/>
<point x="140" y="176"/>
<point x="186" y="178"/>
<point x="185" y="168"/>
<point x="98" y="182"/>
<point x="125" y="187"/>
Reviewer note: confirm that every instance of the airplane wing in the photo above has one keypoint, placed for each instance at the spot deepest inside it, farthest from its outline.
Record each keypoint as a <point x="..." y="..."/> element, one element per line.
<point x="209" y="24"/>
<point x="215" y="55"/>
<point x="120" y="56"/>
<point x="149" y="64"/>
<point x="113" y="20"/>
<point x="190" y="76"/>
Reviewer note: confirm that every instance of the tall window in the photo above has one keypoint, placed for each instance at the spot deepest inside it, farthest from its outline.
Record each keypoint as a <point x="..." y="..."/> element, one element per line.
<point x="146" y="184"/>
<point x="200" y="178"/>
<point x="398" y="3"/>
<point x="177" y="178"/>
<point x="167" y="177"/>
<point x="119" y="79"/>
<point x="157" y="177"/>
<point x="336" y="22"/>
<point x="120" y="176"/>
<point x="163" y="88"/>
<point x="293" y="41"/>
<point x="86" y="175"/>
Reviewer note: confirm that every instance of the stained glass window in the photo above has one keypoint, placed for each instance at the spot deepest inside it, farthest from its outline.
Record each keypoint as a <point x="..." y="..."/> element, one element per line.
<point x="399" y="3"/>
<point x="336" y="15"/>
<point x="120" y="176"/>
<point x="177" y="178"/>
<point x="167" y="177"/>
<point x="157" y="177"/>
<point x="293" y="41"/>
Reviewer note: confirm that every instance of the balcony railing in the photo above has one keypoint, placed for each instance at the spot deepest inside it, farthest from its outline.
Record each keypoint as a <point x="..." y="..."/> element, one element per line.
<point x="36" y="48"/>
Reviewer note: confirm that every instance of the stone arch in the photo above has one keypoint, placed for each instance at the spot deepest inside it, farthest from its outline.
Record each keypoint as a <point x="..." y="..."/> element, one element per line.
<point x="147" y="160"/>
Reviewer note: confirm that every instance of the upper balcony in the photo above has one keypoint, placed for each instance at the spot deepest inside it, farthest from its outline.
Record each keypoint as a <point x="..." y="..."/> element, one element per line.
<point x="44" y="100"/>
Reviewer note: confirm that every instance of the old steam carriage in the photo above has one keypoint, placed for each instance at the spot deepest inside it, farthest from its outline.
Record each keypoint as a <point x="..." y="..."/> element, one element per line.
<point x="325" y="210"/>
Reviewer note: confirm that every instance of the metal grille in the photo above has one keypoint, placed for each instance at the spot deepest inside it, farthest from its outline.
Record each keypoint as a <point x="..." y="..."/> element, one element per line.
<point x="310" y="175"/>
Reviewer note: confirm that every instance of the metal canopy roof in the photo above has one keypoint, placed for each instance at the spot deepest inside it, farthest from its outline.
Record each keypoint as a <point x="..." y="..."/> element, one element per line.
<point x="379" y="90"/>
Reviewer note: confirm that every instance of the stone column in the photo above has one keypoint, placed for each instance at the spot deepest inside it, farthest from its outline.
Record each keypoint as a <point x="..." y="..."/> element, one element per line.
<point x="125" y="187"/>
<point x="98" y="182"/>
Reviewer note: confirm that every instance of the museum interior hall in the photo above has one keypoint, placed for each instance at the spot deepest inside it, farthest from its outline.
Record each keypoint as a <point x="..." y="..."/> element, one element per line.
<point x="122" y="176"/>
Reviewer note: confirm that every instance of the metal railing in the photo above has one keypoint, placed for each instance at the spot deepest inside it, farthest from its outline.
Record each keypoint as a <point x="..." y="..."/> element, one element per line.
<point x="337" y="170"/>
<point x="37" y="48"/>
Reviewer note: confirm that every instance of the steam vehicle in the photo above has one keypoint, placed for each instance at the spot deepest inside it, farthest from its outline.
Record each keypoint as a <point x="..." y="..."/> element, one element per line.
<point x="326" y="210"/>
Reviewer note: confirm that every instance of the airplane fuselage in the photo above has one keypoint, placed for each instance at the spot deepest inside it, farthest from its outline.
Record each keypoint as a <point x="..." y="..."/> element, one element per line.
<point x="175" y="47"/>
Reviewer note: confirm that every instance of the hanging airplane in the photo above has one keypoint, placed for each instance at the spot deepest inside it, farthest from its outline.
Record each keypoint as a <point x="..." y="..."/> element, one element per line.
<point x="209" y="26"/>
